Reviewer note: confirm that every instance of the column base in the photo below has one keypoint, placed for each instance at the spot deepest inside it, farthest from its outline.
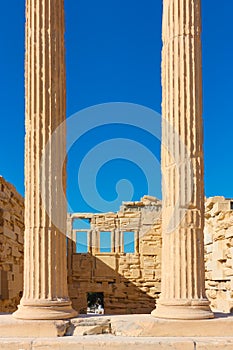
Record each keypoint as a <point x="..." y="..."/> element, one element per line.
<point x="183" y="310"/>
<point x="45" y="310"/>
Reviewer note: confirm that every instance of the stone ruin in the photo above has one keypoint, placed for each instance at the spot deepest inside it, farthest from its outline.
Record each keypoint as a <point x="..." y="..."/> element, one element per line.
<point x="45" y="291"/>
<point x="11" y="246"/>
<point x="45" y="306"/>
<point x="218" y="238"/>
<point x="129" y="281"/>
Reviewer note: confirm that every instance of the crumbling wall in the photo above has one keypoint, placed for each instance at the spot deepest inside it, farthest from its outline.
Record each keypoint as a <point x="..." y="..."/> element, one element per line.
<point x="130" y="281"/>
<point x="219" y="253"/>
<point x="11" y="246"/>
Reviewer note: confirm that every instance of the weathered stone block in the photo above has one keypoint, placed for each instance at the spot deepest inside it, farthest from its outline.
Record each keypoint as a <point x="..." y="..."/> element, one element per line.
<point x="9" y="233"/>
<point x="219" y="250"/>
<point x="150" y="250"/>
<point x="208" y="236"/>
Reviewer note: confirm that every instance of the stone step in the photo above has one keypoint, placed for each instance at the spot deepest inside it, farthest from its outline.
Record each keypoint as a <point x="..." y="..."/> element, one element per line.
<point x="107" y="342"/>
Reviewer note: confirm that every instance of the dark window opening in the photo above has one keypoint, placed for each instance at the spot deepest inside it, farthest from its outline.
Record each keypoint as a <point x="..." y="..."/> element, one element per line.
<point x="95" y="303"/>
<point x="129" y="242"/>
<point x="105" y="242"/>
<point x="231" y="205"/>
<point x="81" y="242"/>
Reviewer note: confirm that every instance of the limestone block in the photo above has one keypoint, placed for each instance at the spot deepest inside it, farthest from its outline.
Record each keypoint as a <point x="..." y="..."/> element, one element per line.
<point x="20" y="239"/>
<point x="211" y="284"/>
<point x="89" y="326"/>
<point x="148" y="274"/>
<point x="136" y="273"/>
<point x="131" y="259"/>
<point x="214" y="344"/>
<point x="211" y="294"/>
<point x="219" y="207"/>
<point x="155" y="289"/>
<point x="208" y="275"/>
<point x="228" y="272"/>
<point x="209" y="248"/>
<point x="16" y="269"/>
<point x="6" y="251"/>
<point x="217" y="271"/>
<point x="208" y="236"/>
<point x="82" y="267"/>
<point x="16" y="253"/>
<point x="224" y="305"/>
<point x="103" y="271"/>
<point x="17" y="230"/>
<point x="225" y="220"/>
<point x="6" y="215"/>
<point x="134" y="266"/>
<point x="150" y="250"/>
<point x="231" y="282"/>
<point x="229" y="232"/>
<point x="107" y="260"/>
<point x="228" y="263"/>
<point x="219" y="250"/>
<point x="9" y="233"/>
<point x="209" y="202"/>
<point x="149" y="264"/>
<point x="124" y="267"/>
<point x="149" y="218"/>
<point x="228" y="285"/>
<point x="13" y="344"/>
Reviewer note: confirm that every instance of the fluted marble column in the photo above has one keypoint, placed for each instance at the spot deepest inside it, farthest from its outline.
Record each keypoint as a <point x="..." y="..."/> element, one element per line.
<point x="183" y="283"/>
<point x="45" y="294"/>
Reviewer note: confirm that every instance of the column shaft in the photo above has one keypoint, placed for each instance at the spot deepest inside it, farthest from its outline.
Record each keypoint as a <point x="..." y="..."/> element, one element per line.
<point x="45" y="293"/>
<point x="183" y="282"/>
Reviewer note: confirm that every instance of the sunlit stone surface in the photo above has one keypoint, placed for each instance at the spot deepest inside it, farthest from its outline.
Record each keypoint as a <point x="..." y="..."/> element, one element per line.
<point x="45" y="294"/>
<point x="183" y="284"/>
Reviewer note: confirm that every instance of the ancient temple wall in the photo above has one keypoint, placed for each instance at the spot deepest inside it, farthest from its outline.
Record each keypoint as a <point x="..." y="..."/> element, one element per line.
<point x="122" y="277"/>
<point x="11" y="246"/>
<point x="130" y="281"/>
<point x="219" y="253"/>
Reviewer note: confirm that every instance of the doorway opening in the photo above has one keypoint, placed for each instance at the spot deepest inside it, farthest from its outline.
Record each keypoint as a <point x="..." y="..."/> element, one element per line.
<point x="95" y="303"/>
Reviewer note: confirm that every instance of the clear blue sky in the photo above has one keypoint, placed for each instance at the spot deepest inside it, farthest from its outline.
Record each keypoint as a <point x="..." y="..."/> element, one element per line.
<point x="113" y="55"/>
